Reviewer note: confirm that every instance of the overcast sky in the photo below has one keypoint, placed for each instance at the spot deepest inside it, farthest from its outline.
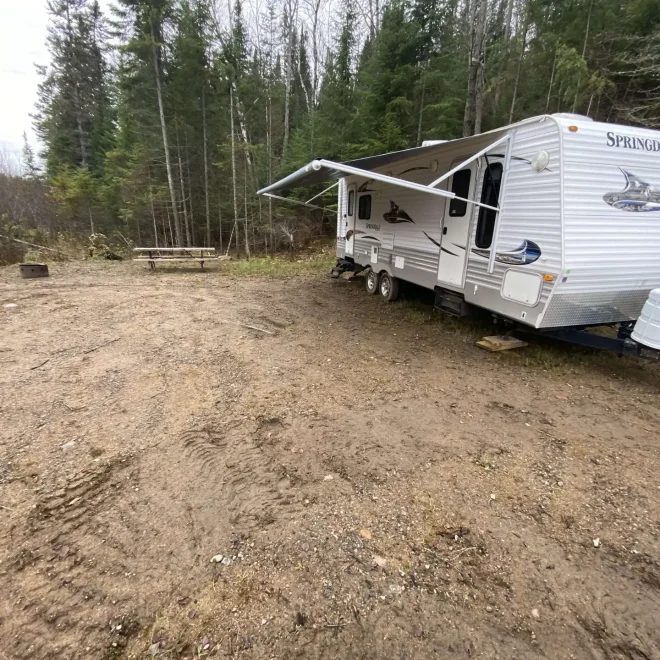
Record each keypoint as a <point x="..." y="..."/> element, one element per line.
<point x="22" y="38"/>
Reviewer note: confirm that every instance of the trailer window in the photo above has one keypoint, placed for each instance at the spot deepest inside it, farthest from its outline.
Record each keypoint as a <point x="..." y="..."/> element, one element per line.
<point x="364" y="207"/>
<point x="490" y="194"/>
<point x="351" y="202"/>
<point x="461" y="188"/>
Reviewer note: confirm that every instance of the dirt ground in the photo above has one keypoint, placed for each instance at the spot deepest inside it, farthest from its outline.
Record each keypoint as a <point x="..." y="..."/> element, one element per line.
<point x="349" y="480"/>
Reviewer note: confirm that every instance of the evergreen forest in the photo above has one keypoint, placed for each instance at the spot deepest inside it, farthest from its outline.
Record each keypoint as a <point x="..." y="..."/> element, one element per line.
<point x="159" y="119"/>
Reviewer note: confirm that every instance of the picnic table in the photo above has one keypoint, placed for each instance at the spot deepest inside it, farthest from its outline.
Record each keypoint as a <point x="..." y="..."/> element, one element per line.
<point x="153" y="254"/>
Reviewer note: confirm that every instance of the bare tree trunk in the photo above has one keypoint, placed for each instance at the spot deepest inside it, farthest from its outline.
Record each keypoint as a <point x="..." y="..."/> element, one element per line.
<point x="505" y="53"/>
<point x="584" y="52"/>
<point x="206" y="172"/>
<point x="242" y="124"/>
<point x="421" y="111"/>
<point x="261" y="220"/>
<point x="183" y="190"/>
<point x="372" y="25"/>
<point x="233" y="165"/>
<point x="163" y="127"/>
<point x="137" y="227"/>
<point x="479" y="83"/>
<point x="245" y="209"/>
<point x="169" y="222"/>
<point x="479" y="97"/>
<point x="315" y="52"/>
<point x="166" y="238"/>
<point x="269" y="148"/>
<point x="307" y="92"/>
<point x="190" y="196"/>
<point x="153" y="214"/>
<point x="469" y="21"/>
<point x="552" y="82"/>
<point x="476" y="62"/>
<point x="289" y="64"/>
<point x="520" y="61"/>
<point x="220" y="223"/>
<point x="91" y="219"/>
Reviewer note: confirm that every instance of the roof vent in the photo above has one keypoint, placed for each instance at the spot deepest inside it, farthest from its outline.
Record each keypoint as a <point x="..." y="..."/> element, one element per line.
<point x="431" y="143"/>
<point x="572" y="116"/>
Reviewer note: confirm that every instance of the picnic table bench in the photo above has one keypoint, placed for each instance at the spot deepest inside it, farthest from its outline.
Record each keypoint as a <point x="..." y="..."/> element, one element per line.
<point x="153" y="254"/>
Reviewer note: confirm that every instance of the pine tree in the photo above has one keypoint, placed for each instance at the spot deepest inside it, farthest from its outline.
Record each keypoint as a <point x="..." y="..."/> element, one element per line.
<point x="143" y="141"/>
<point x="28" y="162"/>
<point x="73" y="116"/>
<point x="73" y="112"/>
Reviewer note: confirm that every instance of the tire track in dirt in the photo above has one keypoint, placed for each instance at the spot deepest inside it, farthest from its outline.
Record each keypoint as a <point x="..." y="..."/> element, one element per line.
<point x="47" y="580"/>
<point x="250" y="485"/>
<point x="73" y="505"/>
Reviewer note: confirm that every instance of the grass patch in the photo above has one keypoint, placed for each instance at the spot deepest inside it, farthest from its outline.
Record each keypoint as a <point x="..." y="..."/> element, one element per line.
<point x="416" y="308"/>
<point x="415" y="311"/>
<point x="277" y="266"/>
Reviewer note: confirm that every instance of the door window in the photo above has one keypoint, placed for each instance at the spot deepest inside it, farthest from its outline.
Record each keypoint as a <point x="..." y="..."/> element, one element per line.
<point x="351" y="202"/>
<point x="364" y="207"/>
<point x="461" y="188"/>
<point x="490" y="194"/>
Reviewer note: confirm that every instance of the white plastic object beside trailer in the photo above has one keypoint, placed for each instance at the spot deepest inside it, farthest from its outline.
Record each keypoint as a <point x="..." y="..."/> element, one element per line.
<point x="647" y="328"/>
<point x="553" y="222"/>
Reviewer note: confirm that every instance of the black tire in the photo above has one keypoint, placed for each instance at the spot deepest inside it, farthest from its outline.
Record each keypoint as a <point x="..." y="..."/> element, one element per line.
<point x="389" y="287"/>
<point x="372" y="282"/>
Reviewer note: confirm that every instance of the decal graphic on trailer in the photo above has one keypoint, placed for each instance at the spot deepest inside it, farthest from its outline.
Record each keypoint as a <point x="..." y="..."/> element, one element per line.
<point x="396" y="215"/>
<point x="444" y="249"/>
<point x="526" y="253"/>
<point x="637" y="196"/>
<point x="355" y="232"/>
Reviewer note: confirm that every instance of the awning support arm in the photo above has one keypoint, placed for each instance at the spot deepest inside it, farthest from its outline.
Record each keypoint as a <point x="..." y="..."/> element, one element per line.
<point x="336" y="183"/>
<point x="469" y="160"/>
<point x="368" y="174"/>
<point x="295" y="201"/>
<point x="376" y="176"/>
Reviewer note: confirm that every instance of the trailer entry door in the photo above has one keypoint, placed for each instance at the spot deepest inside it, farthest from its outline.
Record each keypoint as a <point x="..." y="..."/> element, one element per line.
<point x="349" y="215"/>
<point x="456" y="227"/>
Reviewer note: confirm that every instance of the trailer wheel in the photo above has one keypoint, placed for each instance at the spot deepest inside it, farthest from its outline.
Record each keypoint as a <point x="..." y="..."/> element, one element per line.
<point x="372" y="281"/>
<point x="389" y="287"/>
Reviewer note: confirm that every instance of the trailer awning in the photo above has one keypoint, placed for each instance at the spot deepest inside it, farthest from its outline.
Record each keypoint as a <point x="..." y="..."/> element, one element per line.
<point x="319" y="171"/>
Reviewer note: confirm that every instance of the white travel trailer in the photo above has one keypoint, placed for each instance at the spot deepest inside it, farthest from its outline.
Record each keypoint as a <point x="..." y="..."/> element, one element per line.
<point x="552" y="222"/>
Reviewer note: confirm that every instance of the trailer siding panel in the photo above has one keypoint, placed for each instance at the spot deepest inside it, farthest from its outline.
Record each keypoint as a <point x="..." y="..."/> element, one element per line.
<point x="416" y="239"/>
<point x="531" y="211"/>
<point x="611" y="255"/>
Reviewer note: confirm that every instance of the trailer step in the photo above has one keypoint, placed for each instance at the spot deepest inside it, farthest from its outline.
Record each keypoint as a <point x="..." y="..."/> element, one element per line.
<point x="500" y="343"/>
<point x="451" y="303"/>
